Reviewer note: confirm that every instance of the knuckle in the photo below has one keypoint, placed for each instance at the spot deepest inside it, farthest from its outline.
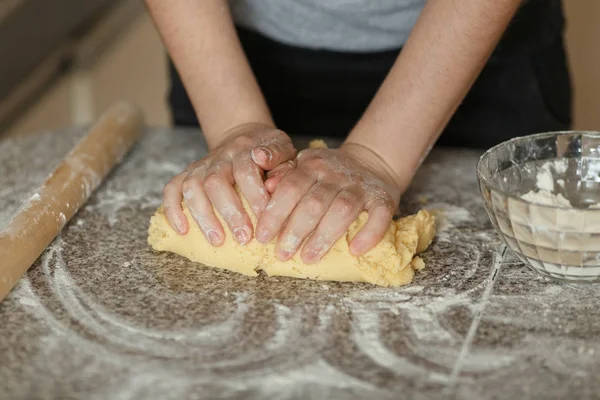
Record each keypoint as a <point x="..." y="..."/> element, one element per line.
<point x="314" y="205"/>
<point x="191" y="184"/>
<point x="344" y="205"/>
<point x="286" y="167"/>
<point x="230" y="152"/>
<point x="302" y="154"/>
<point x="289" y="187"/>
<point x="212" y="182"/>
<point x="314" y="163"/>
<point x="386" y="205"/>
<point x="169" y="188"/>
<point x="245" y="172"/>
<point x="197" y="171"/>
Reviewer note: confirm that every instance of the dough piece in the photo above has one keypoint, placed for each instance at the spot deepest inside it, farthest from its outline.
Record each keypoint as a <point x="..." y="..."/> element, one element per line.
<point x="390" y="263"/>
<point x="317" y="144"/>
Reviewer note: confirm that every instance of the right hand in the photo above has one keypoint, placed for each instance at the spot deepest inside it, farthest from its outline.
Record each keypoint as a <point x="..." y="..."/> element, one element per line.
<point x="241" y="158"/>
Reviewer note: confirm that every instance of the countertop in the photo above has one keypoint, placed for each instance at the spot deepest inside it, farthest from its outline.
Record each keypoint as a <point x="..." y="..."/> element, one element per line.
<point x="101" y="316"/>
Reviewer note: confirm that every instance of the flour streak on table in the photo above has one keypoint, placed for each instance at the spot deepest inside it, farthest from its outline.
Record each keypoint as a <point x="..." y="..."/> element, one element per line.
<point x="107" y="318"/>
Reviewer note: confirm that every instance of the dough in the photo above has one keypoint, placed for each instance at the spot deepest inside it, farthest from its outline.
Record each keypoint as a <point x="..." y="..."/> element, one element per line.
<point x="391" y="263"/>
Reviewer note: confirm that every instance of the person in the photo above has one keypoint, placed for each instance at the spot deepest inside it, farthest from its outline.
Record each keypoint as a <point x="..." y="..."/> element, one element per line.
<point x="392" y="77"/>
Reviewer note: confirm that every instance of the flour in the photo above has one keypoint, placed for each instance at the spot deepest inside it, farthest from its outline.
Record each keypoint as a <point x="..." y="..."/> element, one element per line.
<point x="545" y="190"/>
<point x="289" y="357"/>
<point x="545" y="197"/>
<point x="543" y="193"/>
<point x="447" y="218"/>
<point x="19" y="183"/>
<point x="204" y="344"/>
<point x="148" y="176"/>
<point x="547" y="172"/>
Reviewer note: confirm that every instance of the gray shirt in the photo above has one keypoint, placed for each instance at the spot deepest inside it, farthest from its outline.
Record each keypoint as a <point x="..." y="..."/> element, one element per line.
<point x="337" y="25"/>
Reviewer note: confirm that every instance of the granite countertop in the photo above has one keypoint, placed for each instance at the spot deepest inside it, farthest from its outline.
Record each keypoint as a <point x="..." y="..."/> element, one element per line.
<point x="100" y="316"/>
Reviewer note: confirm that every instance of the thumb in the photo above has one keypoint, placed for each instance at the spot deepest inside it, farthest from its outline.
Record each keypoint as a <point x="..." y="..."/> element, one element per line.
<point x="270" y="155"/>
<point x="277" y="174"/>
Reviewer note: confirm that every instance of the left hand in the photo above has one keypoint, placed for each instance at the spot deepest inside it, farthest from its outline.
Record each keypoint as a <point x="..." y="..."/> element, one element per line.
<point x="323" y="195"/>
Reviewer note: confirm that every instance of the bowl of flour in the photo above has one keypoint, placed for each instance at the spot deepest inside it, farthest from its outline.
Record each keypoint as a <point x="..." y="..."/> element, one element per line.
<point x="542" y="194"/>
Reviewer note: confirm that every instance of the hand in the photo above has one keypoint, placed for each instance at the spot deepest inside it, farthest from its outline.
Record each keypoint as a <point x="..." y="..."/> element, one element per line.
<point x="241" y="158"/>
<point x="322" y="196"/>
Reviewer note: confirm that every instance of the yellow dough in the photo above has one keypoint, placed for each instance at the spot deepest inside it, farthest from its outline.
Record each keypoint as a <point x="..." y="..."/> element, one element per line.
<point x="391" y="263"/>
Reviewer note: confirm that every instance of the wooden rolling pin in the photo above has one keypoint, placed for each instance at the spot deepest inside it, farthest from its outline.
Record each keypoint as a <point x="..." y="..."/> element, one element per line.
<point x="37" y="223"/>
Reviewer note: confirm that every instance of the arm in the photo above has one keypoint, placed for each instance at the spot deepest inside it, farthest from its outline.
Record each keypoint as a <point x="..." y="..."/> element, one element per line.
<point x="236" y="122"/>
<point x="446" y="51"/>
<point x="201" y="39"/>
<point x="442" y="58"/>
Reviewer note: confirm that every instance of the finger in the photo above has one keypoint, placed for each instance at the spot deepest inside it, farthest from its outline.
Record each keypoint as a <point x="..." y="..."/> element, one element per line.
<point x="380" y="215"/>
<point x="275" y="176"/>
<point x="172" y="199"/>
<point x="201" y="208"/>
<point x="343" y="211"/>
<point x="274" y="152"/>
<point x="289" y="192"/>
<point x="248" y="177"/>
<point x="305" y="218"/>
<point x="218" y="186"/>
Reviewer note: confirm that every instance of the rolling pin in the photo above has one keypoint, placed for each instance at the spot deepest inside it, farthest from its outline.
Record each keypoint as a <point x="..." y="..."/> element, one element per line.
<point x="37" y="223"/>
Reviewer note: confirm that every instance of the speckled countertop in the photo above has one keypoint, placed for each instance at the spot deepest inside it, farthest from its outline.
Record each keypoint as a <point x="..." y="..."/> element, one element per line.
<point x="100" y="316"/>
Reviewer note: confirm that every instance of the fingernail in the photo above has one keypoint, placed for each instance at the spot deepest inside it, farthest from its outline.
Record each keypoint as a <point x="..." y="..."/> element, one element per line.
<point x="214" y="238"/>
<point x="267" y="154"/>
<point x="261" y="155"/>
<point x="241" y="235"/>
<point x="355" y="248"/>
<point x="283" y="255"/>
<point x="262" y="236"/>
<point x="310" y="256"/>
<point x="178" y="224"/>
<point x="289" y="243"/>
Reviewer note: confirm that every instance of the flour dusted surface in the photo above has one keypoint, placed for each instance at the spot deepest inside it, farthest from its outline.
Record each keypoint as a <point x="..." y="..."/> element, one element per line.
<point x="102" y="316"/>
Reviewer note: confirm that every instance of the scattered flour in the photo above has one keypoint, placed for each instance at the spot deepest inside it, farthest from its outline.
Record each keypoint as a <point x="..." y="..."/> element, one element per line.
<point x="545" y="193"/>
<point x="448" y="217"/>
<point x="545" y="197"/>
<point x="286" y="359"/>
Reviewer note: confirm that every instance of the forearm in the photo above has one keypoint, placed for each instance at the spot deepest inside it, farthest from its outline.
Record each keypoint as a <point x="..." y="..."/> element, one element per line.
<point x="201" y="39"/>
<point x="446" y="51"/>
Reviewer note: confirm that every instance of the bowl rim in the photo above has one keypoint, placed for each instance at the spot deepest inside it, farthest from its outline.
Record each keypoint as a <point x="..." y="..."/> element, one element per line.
<point x="523" y="138"/>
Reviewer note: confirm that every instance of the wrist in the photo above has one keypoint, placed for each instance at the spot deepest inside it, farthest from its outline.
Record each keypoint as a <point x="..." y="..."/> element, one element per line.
<point x="373" y="160"/>
<point x="216" y="139"/>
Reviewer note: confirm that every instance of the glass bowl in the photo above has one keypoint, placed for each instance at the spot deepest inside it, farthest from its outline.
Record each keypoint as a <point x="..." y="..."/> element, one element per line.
<point x="542" y="194"/>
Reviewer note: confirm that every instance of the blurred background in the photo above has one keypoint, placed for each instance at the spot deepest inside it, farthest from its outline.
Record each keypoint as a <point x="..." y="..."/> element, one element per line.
<point x="65" y="61"/>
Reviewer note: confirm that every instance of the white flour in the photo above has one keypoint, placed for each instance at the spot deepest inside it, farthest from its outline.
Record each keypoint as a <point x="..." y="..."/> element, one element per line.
<point x="289" y="358"/>
<point x="145" y="189"/>
<point x="447" y="218"/>
<point x="545" y="197"/>
<point x="545" y="190"/>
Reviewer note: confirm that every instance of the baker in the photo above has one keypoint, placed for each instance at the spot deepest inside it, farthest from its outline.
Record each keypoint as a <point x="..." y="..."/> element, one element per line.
<point x="391" y="77"/>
